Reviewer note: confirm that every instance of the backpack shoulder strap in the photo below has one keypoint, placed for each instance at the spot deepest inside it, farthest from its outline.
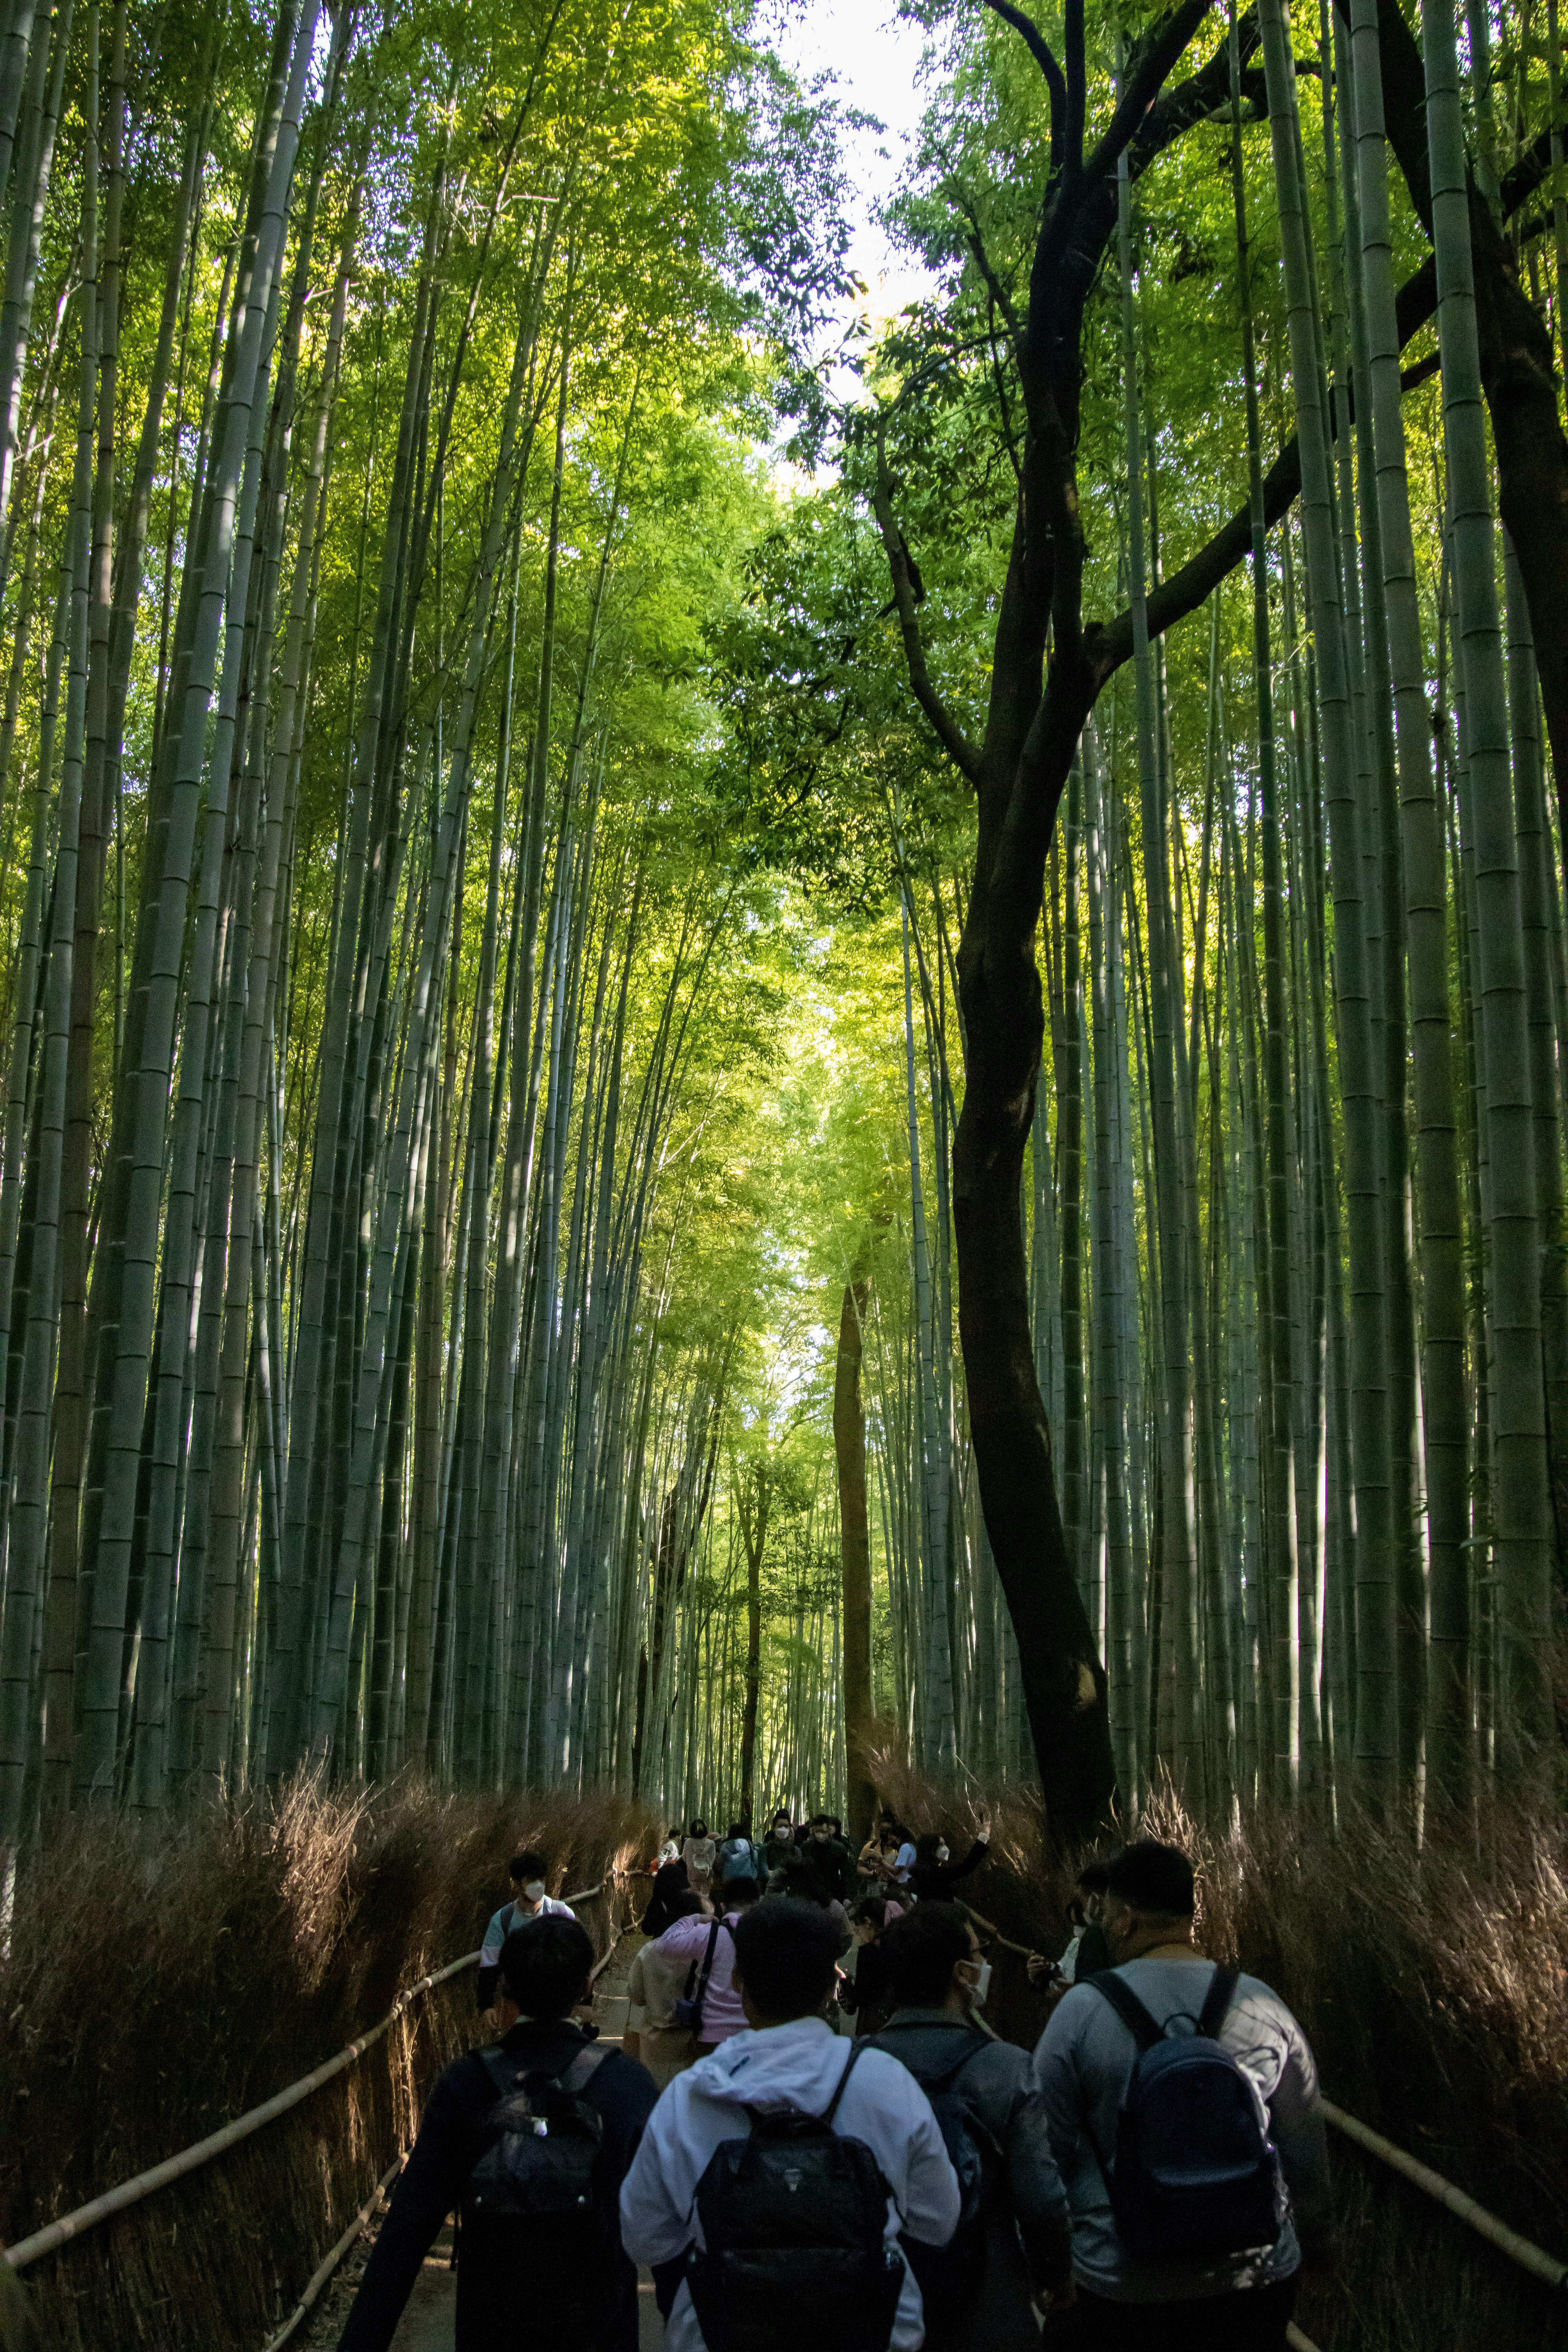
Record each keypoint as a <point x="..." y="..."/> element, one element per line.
<point x="504" y="2075"/>
<point x="706" y="1963"/>
<point x="1128" y="2007"/>
<point x="574" y="2078"/>
<point x="1218" y="2000"/>
<point x="832" y="2107"/>
<point x="946" y="2083"/>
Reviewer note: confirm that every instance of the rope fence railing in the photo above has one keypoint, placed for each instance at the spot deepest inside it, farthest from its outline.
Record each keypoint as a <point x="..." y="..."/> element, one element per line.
<point x="1552" y="2272"/>
<point x="1532" y="2258"/>
<point x="230" y="2135"/>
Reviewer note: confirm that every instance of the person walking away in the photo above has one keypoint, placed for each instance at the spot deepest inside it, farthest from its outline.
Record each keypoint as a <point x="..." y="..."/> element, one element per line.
<point x="697" y="1853"/>
<point x="1011" y="2252"/>
<point x="672" y="1882"/>
<point x="540" y="2259"/>
<point x="802" y="1876"/>
<point x="527" y="1872"/>
<point x="707" y="1948"/>
<point x="831" y="1859"/>
<point x="933" y="1875"/>
<point x="1186" y="2236"/>
<point x="781" y="1841"/>
<point x="789" y="2165"/>
<point x="865" y="1993"/>
<point x="657" y="1980"/>
<point x="738" y="1856"/>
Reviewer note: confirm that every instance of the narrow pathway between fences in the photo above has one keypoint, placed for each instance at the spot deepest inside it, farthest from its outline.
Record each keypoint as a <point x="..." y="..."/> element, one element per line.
<point x="429" y="2324"/>
<point x="430" y="2320"/>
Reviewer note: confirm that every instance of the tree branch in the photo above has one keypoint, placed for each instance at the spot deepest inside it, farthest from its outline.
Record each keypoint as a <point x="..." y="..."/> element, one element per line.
<point x="1041" y="51"/>
<point x="907" y="595"/>
<point x="1204" y="94"/>
<point x="1150" y="64"/>
<point x="1111" y="645"/>
<point x="976" y="243"/>
<point x="1077" y="84"/>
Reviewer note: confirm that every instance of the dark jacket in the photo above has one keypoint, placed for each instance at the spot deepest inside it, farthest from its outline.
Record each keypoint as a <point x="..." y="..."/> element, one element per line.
<point x="497" y="2311"/>
<point x="1092" y="1955"/>
<point x="673" y="1878"/>
<point x="934" y="1881"/>
<point x="1028" y="2234"/>
<point x="835" y="1865"/>
<point x="866" y="1995"/>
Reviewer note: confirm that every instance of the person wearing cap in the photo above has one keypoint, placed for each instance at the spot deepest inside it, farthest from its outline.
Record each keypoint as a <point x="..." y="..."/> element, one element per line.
<point x="1239" y="2302"/>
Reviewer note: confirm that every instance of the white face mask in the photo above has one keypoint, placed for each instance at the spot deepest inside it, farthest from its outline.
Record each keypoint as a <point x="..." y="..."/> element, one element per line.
<point x="534" y="1891"/>
<point x="982" y="1985"/>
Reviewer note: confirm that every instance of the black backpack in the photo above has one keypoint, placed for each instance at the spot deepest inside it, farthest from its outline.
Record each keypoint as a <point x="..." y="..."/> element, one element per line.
<point x="794" y="2219"/>
<point x="1195" y="2173"/>
<point x="948" y="2275"/>
<point x="539" y="2181"/>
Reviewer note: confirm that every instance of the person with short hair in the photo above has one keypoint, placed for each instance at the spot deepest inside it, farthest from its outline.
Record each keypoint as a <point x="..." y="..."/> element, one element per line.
<point x="787" y="2057"/>
<point x="657" y="1982"/>
<point x="1084" y="2063"/>
<point x="1088" y="1951"/>
<point x="527" y="1872"/>
<point x="803" y="1875"/>
<point x="708" y="1944"/>
<point x="835" y="1864"/>
<point x="864" y="1995"/>
<point x="575" y="2283"/>
<point x="781" y="1841"/>
<point x="981" y="2294"/>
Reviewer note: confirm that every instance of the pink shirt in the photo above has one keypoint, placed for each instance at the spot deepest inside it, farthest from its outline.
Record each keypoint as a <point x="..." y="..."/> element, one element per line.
<point x="688" y="1939"/>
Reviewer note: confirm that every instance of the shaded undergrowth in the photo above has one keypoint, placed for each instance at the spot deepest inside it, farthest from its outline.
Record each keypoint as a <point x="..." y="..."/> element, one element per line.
<point x="165" y="1975"/>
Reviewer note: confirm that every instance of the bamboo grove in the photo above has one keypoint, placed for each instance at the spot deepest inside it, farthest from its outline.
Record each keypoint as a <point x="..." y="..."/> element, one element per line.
<point x="495" y="880"/>
<point x="362" y="965"/>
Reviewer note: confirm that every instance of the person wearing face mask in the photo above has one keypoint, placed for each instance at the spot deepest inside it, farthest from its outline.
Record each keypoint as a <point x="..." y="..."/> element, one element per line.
<point x="933" y="1875"/>
<point x="1011" y="2255"/>
<point x="530" y="1901"/>
<point x="1242" y="2198"/>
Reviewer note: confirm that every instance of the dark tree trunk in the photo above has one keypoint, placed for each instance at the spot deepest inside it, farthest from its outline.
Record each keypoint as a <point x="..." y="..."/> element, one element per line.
<point x="1035" y="715"/>
<point x="855" y="1551"/>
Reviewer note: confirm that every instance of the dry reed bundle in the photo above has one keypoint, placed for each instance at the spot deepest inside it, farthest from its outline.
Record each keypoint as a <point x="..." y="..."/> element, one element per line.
<point x="164" y="1976"/>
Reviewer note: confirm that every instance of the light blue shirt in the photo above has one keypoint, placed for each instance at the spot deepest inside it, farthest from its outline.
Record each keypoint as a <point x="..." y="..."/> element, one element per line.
<point x="512" y="1915"/>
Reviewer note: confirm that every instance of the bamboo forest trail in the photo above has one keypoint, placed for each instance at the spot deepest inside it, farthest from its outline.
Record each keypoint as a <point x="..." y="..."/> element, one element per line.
<point x="784" y="986"/>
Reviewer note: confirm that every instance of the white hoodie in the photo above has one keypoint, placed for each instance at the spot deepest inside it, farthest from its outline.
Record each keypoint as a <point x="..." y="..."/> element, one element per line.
<point x="796" y="2065"/>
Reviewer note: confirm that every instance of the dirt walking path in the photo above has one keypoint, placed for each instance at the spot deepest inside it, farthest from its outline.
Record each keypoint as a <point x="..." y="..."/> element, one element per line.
<point x="430" y="2319"/>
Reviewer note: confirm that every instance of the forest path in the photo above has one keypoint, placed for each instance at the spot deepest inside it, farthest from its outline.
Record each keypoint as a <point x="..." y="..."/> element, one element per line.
<point x="430" y="2320"/>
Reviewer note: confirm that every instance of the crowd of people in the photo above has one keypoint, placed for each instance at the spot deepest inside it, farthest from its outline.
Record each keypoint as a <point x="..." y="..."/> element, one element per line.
<point x="809" y="2129"/>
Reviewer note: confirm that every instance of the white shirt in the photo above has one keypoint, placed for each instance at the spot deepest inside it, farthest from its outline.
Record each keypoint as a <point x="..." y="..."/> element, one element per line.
<point x="798" y="2064"/>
